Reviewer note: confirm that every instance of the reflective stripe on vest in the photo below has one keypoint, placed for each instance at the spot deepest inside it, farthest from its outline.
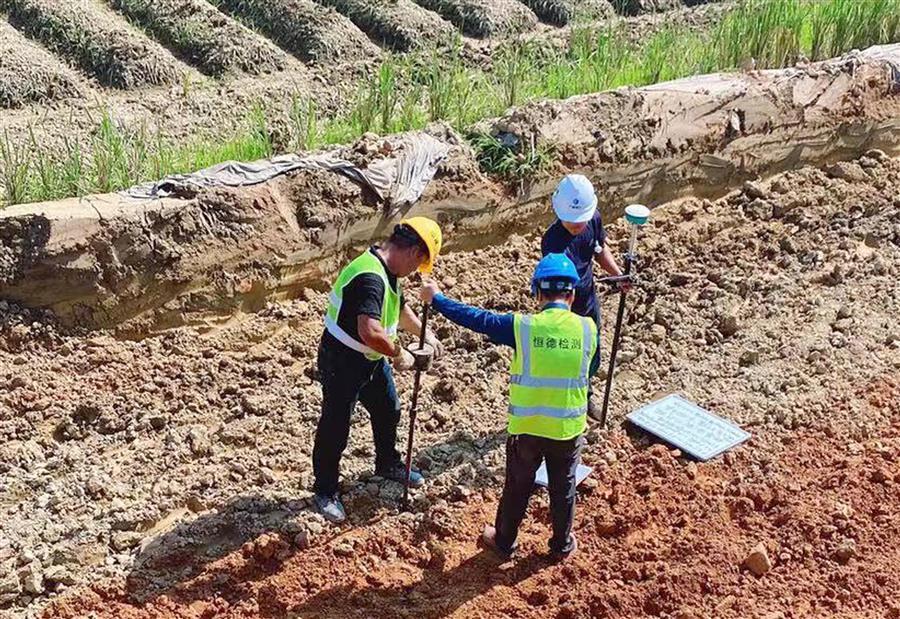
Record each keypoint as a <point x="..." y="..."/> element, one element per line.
<point x="390" y="307"/>
<point x="549" y="374"/>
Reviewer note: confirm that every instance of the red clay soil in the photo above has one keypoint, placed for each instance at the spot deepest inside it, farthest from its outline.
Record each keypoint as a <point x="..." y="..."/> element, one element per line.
<point x="659" y="536"/>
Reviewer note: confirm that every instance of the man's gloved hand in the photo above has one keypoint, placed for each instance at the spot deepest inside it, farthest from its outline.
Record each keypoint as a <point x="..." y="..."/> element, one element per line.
<point x="403" y="361"/>
<point x="436" y="346"/>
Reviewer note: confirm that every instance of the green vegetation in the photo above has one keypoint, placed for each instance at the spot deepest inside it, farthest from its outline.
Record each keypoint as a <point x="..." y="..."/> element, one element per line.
<point x="512" y="162"/>
<point x="115" y="56"/>
<point x="115" y="158"/>
<point x="408" y="92"/>
<point x="202" y="35"/>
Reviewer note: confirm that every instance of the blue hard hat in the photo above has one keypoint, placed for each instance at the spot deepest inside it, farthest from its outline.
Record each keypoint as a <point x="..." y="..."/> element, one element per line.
<point x="555" y="272"/>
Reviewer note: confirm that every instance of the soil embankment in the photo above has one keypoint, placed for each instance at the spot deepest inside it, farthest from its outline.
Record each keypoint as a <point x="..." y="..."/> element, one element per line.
<point x="105" y="261"/>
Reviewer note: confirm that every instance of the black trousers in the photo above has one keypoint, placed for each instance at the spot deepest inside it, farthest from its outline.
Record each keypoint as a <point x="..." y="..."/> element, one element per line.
<point x="348" y="377"/>
<point x="524" y="454"/>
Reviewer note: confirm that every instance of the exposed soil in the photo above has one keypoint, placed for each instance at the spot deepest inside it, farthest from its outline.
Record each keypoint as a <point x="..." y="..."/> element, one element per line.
<point x="170" y="475"/>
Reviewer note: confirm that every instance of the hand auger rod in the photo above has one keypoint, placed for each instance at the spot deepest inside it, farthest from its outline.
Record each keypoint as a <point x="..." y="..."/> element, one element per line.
<point x="636" y="215"/>
<point x="412" y="411"/>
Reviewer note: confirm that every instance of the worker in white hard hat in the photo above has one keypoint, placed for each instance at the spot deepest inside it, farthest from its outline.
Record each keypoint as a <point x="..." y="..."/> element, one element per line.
<point x="578" y="232"/>
<point x="366" y="307"/>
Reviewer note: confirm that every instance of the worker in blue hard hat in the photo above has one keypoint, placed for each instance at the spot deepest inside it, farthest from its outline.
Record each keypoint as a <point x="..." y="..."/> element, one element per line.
<point x="578" y="232"/>
<point x="555" y="355"/>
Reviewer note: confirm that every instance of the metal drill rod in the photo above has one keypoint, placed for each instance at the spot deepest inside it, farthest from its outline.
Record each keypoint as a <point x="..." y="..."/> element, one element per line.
<point x="412" y="411"/>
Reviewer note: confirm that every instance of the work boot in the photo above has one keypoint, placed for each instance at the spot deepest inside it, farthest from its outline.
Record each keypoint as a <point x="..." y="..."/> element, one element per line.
<point x="489" y="539"/>
<point x="562" y="556"/>
<point x="330" y="507"/>
<point x="398" y="473"/>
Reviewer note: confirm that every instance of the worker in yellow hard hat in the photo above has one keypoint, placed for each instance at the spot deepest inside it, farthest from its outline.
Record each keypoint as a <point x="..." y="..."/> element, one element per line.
<point x="365" y="309"/>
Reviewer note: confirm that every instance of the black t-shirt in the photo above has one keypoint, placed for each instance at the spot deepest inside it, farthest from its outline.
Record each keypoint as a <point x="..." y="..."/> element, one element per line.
<point x="580" y="249"/>
<point x="364" y="295"/>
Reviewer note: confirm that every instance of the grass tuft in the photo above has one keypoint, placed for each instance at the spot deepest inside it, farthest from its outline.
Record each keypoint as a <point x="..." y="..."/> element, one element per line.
<point x="512" y="162"/>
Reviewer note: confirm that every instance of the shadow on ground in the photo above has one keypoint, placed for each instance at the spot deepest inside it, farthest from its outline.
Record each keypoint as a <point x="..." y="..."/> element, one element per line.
<point x="180" y="554"/>
<point x="438" y="594"/>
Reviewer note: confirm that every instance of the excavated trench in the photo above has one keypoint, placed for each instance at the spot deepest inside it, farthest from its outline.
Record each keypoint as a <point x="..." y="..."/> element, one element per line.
<point x="141" y="266"/>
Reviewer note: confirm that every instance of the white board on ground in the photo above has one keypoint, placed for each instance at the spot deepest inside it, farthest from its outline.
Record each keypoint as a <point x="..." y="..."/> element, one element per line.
<point x="688" y="427"/>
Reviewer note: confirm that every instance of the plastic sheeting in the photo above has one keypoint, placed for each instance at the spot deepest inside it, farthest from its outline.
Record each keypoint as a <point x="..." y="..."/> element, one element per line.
<point x="398" y="179"/>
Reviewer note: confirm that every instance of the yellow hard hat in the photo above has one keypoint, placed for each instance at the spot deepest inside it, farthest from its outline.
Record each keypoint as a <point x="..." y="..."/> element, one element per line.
<point x="430" y="232"/>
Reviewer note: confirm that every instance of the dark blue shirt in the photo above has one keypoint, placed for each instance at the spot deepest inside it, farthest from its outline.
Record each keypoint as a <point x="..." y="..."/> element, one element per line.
<point x="499" y="328"/>
<point x="580" y="250"/>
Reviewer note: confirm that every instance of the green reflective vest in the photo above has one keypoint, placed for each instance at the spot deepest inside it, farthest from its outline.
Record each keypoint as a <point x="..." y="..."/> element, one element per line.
<point x="549" y="374"/>
<point x="390" y="307"/>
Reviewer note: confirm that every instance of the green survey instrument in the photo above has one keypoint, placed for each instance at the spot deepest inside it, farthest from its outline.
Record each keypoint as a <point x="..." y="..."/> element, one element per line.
<point x="636" y="215"/>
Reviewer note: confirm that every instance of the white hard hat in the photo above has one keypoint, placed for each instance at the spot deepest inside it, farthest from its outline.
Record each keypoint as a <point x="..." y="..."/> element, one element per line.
<point x="574" y="200"/>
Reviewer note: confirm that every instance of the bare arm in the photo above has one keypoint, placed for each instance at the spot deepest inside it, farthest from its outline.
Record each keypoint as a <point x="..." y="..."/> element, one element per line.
<point x="607" y="261"/>
<point x="375" y="337"/>
<point x="409" y="322"/>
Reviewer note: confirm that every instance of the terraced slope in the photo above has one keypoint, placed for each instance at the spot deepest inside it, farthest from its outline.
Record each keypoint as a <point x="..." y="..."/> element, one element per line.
<point x="203" y="36"/>
<point x="484" y="18"/>
<point x="29" y="74"/>
<point x="96" y="40"/>
<point x="310" y="31"/>
<point x="400" y="25"/>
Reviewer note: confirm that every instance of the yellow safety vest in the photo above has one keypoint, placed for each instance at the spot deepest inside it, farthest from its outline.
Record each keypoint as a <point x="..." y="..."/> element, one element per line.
<point x="549" y="374"/>
<point x="390" y="307"/>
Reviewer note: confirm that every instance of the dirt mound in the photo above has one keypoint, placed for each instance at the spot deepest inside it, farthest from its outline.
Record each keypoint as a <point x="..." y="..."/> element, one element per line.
<point x="561" y="12"/>
<point x="178" y="465"/>
<point x="398" y="24"/>
<point x="28" y="74"/>
<point x="311" y="32"/>
<point x="91" y="37"/>
<point x="203" y="36"/>
<point x="636" y="7"/>
<point x="484" y="18"/>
